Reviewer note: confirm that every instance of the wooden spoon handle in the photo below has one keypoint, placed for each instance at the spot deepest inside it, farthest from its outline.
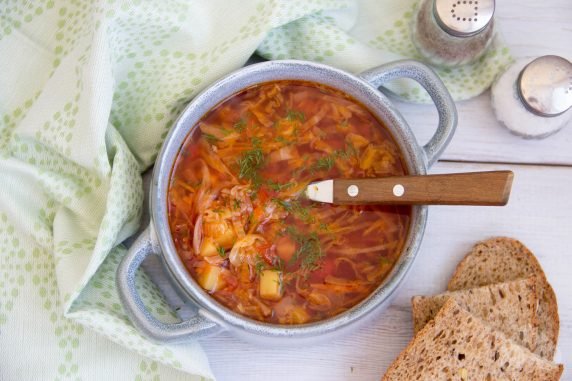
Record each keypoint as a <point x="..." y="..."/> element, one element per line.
<point x="476" y="188"/>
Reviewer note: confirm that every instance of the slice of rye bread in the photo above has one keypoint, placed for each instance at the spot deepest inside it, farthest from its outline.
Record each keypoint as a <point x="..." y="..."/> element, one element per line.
<point x="502" y="259"/>
<point x="509" y="307"/>
<point x="459" y="346"/>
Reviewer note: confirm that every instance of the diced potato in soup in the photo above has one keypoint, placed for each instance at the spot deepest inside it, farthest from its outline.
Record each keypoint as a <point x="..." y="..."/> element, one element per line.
<point x="221" y="232"/>
<point x="211" y="279"/>
<point x="271" y="284"/>
<point x="298" y="315"/>
<point x="208" y="247"/>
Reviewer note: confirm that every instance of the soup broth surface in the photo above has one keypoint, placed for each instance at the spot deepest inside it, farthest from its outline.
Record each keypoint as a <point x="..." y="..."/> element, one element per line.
<point x="240" y="221"/>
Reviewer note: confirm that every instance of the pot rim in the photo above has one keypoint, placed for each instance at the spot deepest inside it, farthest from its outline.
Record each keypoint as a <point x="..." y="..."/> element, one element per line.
<point x="375" y="101"/>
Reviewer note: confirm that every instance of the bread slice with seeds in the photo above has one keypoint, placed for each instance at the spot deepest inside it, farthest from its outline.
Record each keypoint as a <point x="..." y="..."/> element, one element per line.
<point x="503" y="259"/>
<point x="509" y="307"/>
<point x="458" y="346"/>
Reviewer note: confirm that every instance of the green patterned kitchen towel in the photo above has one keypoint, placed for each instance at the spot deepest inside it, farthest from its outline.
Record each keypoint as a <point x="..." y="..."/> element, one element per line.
<point x="88" y="91"/>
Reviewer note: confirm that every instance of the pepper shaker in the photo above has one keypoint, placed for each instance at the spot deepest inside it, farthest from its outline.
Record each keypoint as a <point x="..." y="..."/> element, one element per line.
<point x="453" y="32"/>
<point x="533" y="100"/>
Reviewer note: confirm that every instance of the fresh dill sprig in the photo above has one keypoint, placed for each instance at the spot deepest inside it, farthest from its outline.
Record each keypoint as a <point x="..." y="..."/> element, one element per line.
<point x="278" y="187"/>
<point x="256" y="142"/>
<point x="292" y="115"/>
<point x="226" y="131"/>
<point x="240" y="125"/>
<point x="309" y="249"/>
<point x="210" y="138"/>
<point x="327" y="162"/>
<point x="323" y="163"/>
<point x="281" y="139"/>
<point x="259" y="265"/>
<point x="251" y="162"/>
<point x="346" y="153"/>
<point x="297" y="209"/>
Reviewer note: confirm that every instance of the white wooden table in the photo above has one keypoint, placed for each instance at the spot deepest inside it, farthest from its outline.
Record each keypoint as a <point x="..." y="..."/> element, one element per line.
<point x="539" y="213"/>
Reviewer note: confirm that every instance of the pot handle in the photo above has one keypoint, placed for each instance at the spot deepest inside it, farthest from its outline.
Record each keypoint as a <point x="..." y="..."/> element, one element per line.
<point x="194" y="328"/>
<point x="431" y="82"/>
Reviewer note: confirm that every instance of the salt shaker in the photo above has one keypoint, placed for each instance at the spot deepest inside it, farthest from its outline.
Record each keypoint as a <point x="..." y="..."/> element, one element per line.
<point x="453" y="32"/>
<point x="533" y="100"/>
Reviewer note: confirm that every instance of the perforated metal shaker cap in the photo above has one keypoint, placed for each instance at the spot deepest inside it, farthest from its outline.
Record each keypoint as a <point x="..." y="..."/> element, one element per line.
<point x="463" y="18"/>
<point x="545" y="85"/>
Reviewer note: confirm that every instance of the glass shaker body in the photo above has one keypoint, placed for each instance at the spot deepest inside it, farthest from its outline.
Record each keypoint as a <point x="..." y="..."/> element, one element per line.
<point x="456" y="43"/>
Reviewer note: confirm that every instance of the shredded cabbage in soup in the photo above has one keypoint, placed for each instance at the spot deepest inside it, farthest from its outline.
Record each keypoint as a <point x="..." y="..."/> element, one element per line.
<point x="239" y="219"/>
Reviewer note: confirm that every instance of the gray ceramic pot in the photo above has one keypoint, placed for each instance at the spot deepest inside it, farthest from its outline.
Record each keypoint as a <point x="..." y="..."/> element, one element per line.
<point x="212" y="317"/>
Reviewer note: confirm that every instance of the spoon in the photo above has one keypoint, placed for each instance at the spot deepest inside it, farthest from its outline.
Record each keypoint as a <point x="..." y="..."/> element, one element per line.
<point x="473" y="188"/>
